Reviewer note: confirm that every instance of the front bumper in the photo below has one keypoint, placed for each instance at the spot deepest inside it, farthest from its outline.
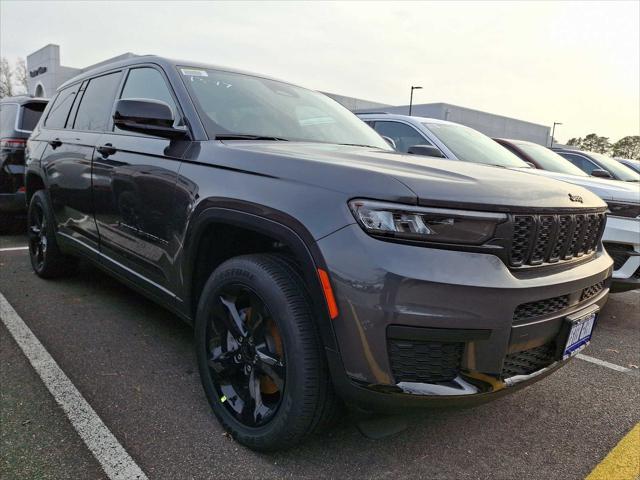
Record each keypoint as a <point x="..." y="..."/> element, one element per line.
<point x="622" y="241"/>
<point x="380" y="286"/>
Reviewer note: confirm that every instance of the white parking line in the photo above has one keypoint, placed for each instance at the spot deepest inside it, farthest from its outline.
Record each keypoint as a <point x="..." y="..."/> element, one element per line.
<point x="604" y="363"/>
<point x="114" y="459"/>
<point x="12" y="249"/>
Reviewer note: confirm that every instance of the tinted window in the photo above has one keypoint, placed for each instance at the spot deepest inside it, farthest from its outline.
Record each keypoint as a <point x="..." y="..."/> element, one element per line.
<point x="7" y="119"/>
<point x="31" y="113"/>
<point x="57" y="116"/>
<point x="148" y="83"/>
<point x="582" y="163"/>
<point x="97" y="102"/>
<point x="403" y="135"/>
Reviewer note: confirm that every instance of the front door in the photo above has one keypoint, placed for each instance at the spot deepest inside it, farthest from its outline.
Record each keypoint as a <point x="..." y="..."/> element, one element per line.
<point x="134" y="177"/>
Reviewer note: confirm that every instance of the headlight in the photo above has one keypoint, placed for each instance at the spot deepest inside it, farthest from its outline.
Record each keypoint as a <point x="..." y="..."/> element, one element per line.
<point x="619" y="209"/>
<point x="425" y="224"/>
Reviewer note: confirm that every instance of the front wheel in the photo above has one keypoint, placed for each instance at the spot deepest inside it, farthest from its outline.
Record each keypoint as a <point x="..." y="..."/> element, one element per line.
<point x="260" y="357"/>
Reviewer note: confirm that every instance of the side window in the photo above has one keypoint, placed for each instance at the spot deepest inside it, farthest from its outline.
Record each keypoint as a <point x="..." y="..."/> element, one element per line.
<point x="97" y="102"/>
<point x="148" y="83"/>
<point x="59" y="111"/>
<point x="581" y="162"/>
<point x="403" y="135"/>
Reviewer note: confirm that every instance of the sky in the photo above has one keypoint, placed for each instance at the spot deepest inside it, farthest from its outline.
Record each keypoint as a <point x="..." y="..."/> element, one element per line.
<point x="572" y="62"/>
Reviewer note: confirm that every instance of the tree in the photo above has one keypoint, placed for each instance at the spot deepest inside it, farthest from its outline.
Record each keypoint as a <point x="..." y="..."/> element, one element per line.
<point x="21" y="76"/>
<point x="627" y="147"/>
<point x="6" y="78"/>
<point x="592" y="143"/>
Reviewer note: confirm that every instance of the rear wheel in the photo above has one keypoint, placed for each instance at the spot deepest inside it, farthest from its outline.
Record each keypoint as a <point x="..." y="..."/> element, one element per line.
<point x="260" y="357"/>
<point x="46" y="259"/>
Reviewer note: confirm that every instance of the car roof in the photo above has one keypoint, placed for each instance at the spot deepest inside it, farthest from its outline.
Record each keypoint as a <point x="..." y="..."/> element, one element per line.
<point x="22" y="99"/>
<point x="166" y="63"/>
<point x="411" y="118"/>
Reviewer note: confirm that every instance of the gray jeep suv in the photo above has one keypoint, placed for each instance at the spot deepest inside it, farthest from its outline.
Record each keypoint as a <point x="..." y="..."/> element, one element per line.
<point x="315" y="263"/>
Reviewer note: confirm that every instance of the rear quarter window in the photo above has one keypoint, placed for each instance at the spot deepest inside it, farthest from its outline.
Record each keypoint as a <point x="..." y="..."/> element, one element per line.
<point x="59" y="111"/>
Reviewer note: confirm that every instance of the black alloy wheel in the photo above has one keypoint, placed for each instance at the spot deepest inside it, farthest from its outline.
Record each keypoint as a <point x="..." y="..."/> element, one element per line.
<point x="46" y="258"/>
<point x="37" y="232"/>
<point x="246" y="356"/>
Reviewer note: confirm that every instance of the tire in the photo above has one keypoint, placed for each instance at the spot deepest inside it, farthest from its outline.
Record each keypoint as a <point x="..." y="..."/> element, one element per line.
<point x="303" y="399"/>
<point x="46" y="259"/>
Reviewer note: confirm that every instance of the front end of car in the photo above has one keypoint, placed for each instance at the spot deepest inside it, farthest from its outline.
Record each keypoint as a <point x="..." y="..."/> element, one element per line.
<point x="622" y="241"/>
<point x="447" y="306"/>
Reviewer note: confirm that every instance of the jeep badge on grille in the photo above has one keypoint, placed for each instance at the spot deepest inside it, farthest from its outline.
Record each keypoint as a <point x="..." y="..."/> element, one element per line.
<point x="575" y="198"/>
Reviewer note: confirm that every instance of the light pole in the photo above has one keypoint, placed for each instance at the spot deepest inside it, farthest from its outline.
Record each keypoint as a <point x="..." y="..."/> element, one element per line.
<point x="553" y="132"/>
<point x="411" y="98"/>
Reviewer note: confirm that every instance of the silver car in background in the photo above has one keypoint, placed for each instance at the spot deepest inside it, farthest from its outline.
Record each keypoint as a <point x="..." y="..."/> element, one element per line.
<point x="444" y="139"/>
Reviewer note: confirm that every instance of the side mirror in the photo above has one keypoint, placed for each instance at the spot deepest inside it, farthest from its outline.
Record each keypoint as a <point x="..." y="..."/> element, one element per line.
<point x="390" y="141"/>
<point x="426" y="150"/>
<point x="144" y="115"/>
<point x="600" y="173"/>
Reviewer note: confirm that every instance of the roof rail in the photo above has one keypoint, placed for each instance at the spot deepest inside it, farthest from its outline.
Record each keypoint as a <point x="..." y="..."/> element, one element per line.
<point x="377" y="113"/>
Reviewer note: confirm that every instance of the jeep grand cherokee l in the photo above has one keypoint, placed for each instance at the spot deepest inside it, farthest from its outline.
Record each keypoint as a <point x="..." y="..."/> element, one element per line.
<point x="315" y="263"/>
<point x="18" y="116"/>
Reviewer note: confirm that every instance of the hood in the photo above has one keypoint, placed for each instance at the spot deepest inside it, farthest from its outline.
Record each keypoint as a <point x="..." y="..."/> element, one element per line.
<point x="614" y="190"/>
<point x="363" y="171"/>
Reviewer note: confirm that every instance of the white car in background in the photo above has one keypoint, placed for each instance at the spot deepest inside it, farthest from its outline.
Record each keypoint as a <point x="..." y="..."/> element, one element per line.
<point x="443" y="139"/>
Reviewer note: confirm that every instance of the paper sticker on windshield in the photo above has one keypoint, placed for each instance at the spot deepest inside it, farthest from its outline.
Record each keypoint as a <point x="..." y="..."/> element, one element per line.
<point x="192" y="72"/>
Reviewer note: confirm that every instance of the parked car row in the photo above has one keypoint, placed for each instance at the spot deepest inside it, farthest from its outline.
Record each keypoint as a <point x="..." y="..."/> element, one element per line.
<point x="439" y="138"/>
<point x="318" y="265"/>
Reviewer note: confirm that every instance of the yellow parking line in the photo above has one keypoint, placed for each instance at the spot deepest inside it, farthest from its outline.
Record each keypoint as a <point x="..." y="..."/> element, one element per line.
<point x="623" y="462"/>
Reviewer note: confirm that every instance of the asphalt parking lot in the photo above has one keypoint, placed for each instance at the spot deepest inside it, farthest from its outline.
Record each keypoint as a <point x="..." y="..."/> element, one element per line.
<point x="133" y="363"/>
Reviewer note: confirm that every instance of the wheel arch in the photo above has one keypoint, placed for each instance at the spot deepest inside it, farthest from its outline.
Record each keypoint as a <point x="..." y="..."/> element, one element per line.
<point x="265" y="222"/>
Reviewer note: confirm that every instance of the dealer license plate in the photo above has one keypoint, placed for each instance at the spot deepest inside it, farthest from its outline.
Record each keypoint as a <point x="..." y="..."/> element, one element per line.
<point x="579" y="334"/>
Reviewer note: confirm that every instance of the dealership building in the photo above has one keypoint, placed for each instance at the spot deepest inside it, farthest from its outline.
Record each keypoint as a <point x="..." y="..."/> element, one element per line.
<point x="46" y="74"/>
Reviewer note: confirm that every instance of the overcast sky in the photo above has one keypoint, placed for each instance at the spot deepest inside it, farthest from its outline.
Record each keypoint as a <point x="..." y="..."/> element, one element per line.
<point x="576" y="63"/>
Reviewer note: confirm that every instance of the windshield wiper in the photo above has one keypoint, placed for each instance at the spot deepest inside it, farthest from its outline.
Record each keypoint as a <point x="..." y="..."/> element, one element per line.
<point x="240" y="136"/>
<point x="357" y="145"/>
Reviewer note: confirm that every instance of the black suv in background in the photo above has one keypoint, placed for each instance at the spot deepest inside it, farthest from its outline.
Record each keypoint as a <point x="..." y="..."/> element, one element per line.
<point x="18" y="117"/>
<point x="315" y="263"/>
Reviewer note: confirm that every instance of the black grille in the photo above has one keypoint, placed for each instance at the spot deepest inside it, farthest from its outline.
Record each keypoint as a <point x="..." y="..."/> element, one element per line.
<point x="424" y="362"/>
<point x="591" y="291"/>
<point x="528" y="361"/>
<point x="636" y="274"/>
<point x="539" y="239"/>
<point x="540" y="307"/>
<point x="619" y="253"/>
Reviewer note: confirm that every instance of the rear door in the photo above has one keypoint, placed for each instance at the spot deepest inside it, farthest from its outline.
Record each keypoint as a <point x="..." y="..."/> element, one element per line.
<point x="77" y="118"/>
<point x="134" y="177"/>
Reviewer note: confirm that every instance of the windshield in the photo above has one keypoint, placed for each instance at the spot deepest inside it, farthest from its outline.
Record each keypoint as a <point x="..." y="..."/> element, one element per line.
<point x="238" y="104"/>
<point x="549" y="160"/>
<point x="621" y="171"/>
<point x="470" y="145"/>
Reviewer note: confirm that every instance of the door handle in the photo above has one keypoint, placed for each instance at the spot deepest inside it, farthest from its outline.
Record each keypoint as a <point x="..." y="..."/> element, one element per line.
<point x="106" y="150"/>
<point x="55" y="143"/>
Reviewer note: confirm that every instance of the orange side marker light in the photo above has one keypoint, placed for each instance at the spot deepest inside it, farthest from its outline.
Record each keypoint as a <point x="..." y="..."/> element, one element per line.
<point x="328" y="293"/>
